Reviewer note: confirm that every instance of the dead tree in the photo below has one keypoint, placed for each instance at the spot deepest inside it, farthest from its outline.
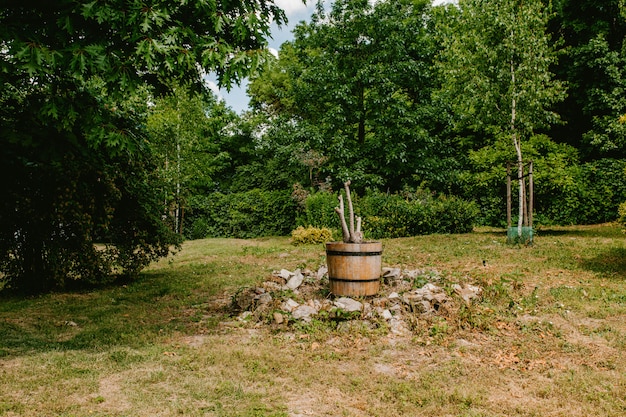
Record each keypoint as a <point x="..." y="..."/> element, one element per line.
<point x="350" y="235"/>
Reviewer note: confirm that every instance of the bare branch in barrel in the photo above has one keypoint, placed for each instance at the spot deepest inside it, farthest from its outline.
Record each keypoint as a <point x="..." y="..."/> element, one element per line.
<point x="350" y="235"/>
<point x="344" y="226"/>
<point x="358" y="236"/>
<point x="346" y="186"/>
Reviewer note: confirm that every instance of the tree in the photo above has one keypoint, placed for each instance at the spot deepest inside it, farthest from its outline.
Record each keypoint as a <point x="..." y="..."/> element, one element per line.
<point x="72" y="124"/>
<point x="357" y="81"/>
<point x="187" y="132"/>
<point x="496" y="70"/>
<point x="594" y="66"/>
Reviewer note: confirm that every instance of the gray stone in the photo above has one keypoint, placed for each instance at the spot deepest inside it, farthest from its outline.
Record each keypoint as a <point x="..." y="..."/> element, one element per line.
<point x="289" y="305"/>
<point x="398" y="327"/>
<point x="264" y="298"/>
<point x="348" y="304"/>
<point x="391" y="273"/>
<point x="272" y="286"/>
<point x="295" y="281"/>
<point x="386" y="314"/>
<point x="467" y="292"/>
<point x="246" y="315"/>
<point x="244" y="299"/>
<point x="323" y="270"/>
<point x="412" y="273"/>
<point x="284" y="274"/>
<point x="304" y="312"/>
<point x="430" y="292"/>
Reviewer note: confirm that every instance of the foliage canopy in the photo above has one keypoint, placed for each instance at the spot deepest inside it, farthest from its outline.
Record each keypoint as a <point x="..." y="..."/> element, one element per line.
<point x="73" y="97"/>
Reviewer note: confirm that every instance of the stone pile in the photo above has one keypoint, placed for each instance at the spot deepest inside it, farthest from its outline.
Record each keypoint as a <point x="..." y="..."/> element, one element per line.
<point x="302" y="295"/>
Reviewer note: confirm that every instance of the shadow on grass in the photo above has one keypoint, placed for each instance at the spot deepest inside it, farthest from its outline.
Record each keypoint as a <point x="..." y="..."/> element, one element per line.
<point x="146" y="311"/>
<point x="608" y="230"/>
<point x="611" y="263"/>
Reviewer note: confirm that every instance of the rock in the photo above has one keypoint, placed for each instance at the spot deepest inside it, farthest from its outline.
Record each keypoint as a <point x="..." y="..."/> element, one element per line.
<point x="263" y="299"/>
<point x="304" y="312"/>
<point x="321" y="272"/>
<point x="289" y="305"/>
<point x="272" y="286"/>
<point x="348" y="304"/>
<point x="386" y="314"/>
<point x="427" y="299"/>
<point x="295" y="281"/>
<point x="246" y="315"/>
<point x="398" y="327"/>
<point x="412" y="274"/>
<point x="430" y="292"/>
<point x="393" y="296"/>
<point x="278" y="318"/>
<point x="284" y="274"/>
<point x="397" y="308"/>
<point x="391" y="273"/>
<point x="244" y="299"/>
<point x="467" y="292"/>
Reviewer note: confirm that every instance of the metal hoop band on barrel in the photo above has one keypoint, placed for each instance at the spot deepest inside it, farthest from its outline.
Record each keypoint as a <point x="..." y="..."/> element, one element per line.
<point x="354" y="280"/>
<point x="342" y="253"/>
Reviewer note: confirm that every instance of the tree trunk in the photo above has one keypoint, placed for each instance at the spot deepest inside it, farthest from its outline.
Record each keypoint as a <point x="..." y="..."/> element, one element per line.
<point x="518" y="150"/>
<point x="177" y="225"/>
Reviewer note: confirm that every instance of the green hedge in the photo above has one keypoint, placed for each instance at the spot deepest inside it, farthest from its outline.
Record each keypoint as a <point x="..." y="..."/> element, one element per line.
<point x="593" y="197"/>
<point x="264" y="213"/>
<point x="395" y="215"/>
<point x="242" y="215"/>
<point x="319" y="211"/>
<point x="388" y="216"/>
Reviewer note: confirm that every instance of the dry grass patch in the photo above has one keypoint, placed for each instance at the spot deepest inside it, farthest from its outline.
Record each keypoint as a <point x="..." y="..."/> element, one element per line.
<point x="547" y="338"/>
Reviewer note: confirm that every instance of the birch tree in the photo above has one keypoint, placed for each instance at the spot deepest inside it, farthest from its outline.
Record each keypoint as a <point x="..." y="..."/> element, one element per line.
<point x="496" y="72"/>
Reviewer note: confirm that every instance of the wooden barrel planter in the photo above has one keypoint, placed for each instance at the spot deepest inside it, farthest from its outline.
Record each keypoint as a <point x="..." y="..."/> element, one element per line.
<point x="354" y="269"/>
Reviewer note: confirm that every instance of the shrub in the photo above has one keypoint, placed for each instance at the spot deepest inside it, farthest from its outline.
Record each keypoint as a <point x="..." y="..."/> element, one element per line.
<point x="388" y="216"/>
<point x="412" y="214"/>
<point x="246" y="214"/>
<point x="621" y="211"/>
<point x="319" y="211"/>
<point x="593" y="196"/>
<point x="566" y="191"/>
<point x="311" y="235"/>
<point x="454" y="215"/>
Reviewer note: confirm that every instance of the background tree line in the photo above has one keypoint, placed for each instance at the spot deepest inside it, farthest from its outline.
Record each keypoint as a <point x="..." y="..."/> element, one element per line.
<point x="112" y="139"/>
<point x="406" y="97"/>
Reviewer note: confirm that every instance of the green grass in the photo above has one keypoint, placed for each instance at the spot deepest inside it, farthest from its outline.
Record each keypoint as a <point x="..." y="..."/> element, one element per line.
<point x="547" y="338"/>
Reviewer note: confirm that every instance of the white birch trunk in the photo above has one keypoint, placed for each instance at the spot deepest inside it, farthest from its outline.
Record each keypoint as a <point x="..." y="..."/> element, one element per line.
<point x="518" y="150"/>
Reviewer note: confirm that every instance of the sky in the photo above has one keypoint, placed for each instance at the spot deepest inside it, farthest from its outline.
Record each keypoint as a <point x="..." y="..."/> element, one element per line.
<point x="296" y="12"/>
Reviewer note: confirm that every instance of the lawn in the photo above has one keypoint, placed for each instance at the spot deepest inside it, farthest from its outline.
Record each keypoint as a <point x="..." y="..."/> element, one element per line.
<point x="547" y="337"/>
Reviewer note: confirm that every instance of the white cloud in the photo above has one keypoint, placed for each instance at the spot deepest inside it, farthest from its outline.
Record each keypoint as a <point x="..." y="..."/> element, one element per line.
<point x="294" y="7"/>
<point x="213" y="87"/>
